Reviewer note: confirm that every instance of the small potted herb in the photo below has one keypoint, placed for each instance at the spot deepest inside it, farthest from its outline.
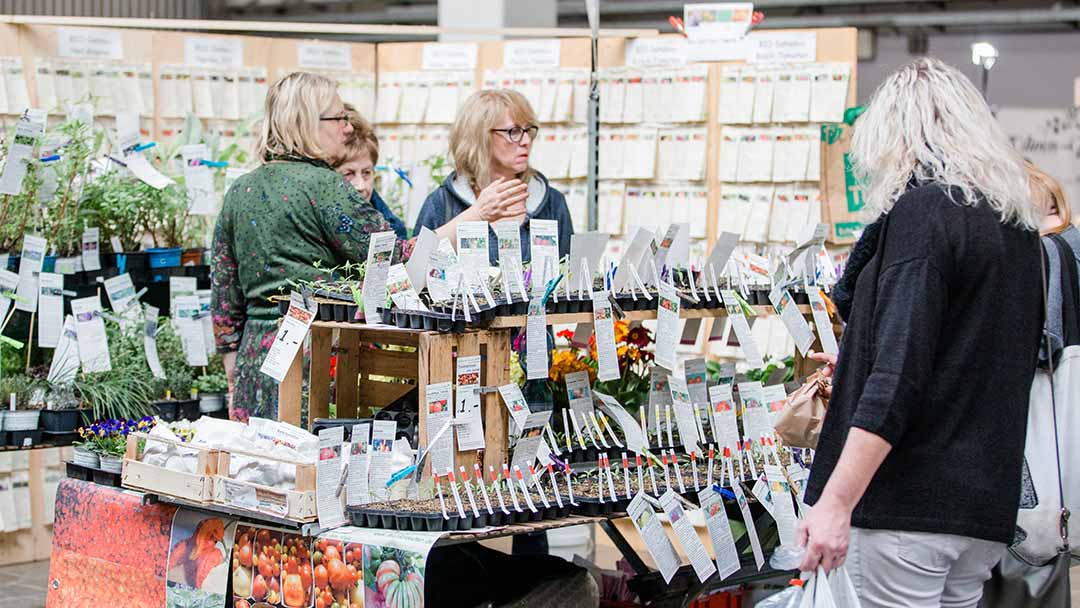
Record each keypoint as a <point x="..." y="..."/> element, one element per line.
<point x="179" y="377"/>
<point x="211" y="389"/>
<point x="26" y="397"/>
<point x="62" y="413"/>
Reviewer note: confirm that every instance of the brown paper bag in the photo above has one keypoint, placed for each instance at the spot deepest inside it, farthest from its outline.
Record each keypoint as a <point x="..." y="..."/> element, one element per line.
<point x="843" y="203"/>
<point x="799" y="424"/>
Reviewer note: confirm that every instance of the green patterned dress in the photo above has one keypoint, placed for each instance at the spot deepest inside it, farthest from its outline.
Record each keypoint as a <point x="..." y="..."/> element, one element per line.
<point x="275" y="223"/>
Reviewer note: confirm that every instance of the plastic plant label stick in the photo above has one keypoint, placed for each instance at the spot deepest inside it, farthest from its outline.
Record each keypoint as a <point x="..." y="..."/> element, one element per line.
<point x="599" y="429"/>
<point x="524" y="489"/>
<point x="626" y="473"/>
<point x="640" y="475"/>
<point x="438" y="491"/>
<point x="539" y="488"/>
<point x="567" y="430"/>
<point x="454" y="490"/>
<point x="483" y="487"/>
<point x="610" y="479"/>
<point x="708" y="473"/>
<point x="693" y="467"/>
<point x="678" y="473"/>
<point x="611" y="431"/>
<point x="600" y="477"/>
<point x="554" y="485"/>
<point x="498" y="489"/>
<point x="772" y="448"/>
<point x="468" y="490"/>
<point x="510" y="485"/>
<point x="652" y="479"/>
<point x="749" y="452"/>
<point x="577" y="431"/>
<point x="569" y="484"/>
<point x="667" y="419"/>
<point x="697" y="420"/>
<point x="551" y="439"/>
<point x="667" y="476"/>
<point x="659" y="436"/>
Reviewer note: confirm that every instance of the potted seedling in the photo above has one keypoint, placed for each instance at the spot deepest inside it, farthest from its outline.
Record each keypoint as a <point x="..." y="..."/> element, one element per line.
<point x="25" y="400"/>
<point x="63" y="411"/>
<point x="179" y="377"/>
<point x="211" y="389"/>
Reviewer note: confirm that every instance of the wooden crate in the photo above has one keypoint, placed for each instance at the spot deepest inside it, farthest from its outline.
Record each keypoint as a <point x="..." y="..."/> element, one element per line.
<point x="155" y="479"/>
<point x="360" y="382"/>
<point x="296" y="503"/>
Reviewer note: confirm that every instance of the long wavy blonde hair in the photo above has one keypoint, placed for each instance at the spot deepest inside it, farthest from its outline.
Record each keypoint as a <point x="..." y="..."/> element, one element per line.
<point x="928" y="121"/>
<point x="290" y="124"/>
<point x="470" y="137"/>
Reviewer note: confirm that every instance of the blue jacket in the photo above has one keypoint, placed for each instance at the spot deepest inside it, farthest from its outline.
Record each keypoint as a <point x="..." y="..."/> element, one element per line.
<point x="395" y="223"/>
<point x="544" y="203"/>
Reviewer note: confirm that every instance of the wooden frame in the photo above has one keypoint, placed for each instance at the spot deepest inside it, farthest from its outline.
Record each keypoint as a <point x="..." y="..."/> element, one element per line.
<point x="297" y="502"/>
<point x="139" y="475"/>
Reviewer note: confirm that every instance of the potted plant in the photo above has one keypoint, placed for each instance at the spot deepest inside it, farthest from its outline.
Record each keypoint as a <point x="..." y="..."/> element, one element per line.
<point x="25" y="398"/>
<point x="63" y="412"/>
<point x="127" y="389"/>
<point x="179" y="377"/>
<point x="211" y="389"/>
<point x="108" y="441"/>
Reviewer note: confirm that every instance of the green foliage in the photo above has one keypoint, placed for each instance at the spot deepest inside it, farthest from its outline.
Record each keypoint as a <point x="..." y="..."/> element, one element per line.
<point x="211" y="383"/>
<point x="122" y="206"/>
<point x="23" y="387"/>
<point x="179" y="376"/>
<point x="126" y="390"/>
<point x="61" y="216"/>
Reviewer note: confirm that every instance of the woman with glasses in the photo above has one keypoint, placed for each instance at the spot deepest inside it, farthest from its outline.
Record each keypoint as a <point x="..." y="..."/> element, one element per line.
<point x="358" y="167"/>
<point x="490" y="144"/>
<point x="277" y="222"/>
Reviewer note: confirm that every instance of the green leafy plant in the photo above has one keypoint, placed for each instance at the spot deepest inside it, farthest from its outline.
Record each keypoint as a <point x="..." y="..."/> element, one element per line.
<point x="127" y="389"/>
<point x="179" y="376"/>
<point x="28" y="391"/>
<point x="61" y="218"/>
<point x="208" y="384"/>
<point x="120" y="205"/>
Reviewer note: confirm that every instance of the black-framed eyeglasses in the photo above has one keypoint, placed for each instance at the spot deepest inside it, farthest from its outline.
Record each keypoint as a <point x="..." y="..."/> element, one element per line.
<point x="515" y="133"/>
<point x="338" y="118"/>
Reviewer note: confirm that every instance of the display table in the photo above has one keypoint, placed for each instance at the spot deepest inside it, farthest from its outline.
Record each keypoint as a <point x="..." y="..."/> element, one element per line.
<point x="111" y="547"/>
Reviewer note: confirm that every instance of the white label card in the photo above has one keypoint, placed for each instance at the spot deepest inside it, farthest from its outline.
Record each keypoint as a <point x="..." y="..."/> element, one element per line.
<point x="359" y="465"/>
<point x="604" y="327"/>
<point x="328" y="503"/>
<point x="688" y="538"/>
<point x="684" y="414"/>
<point x="635" y="439"/>
<point x="716" y="520"/>
<point x="748" y="519"/>
<point x="793" y="320"/>
<point x="50" y="316"/>
<point x="382" y="458"/>
<point x="121" y="292"/>
<point x="188" y="324"/>
<point x="467" y="418"/>
<point x="440" y="412"/>
<point x="294" y="327"/>
<point x="380" y="250"/>
<point x="213" y="52"/>
<point x="399" y="285"/>
<point x="88" y="43"/>
<point x="696" y="381"/>
<point x="822" y="322"/>
<point x="323" y="56"/>
<point x="515" y="404"/>
<point x="150" y="326"/>
<point x="28" y="130"/>
<point x="33" y="257"/>
<point x="756" y="424"/>
<point x="782" y="47"/>
<point x="528" y="443"/>
<point x="667" y="326"/>
<point x="449" y="56"/>
<point x="783" y="510"/>
<point x="742" y="330"/>
<point x="198" y="180"/>
<point x="531" y="54"/>
<point x="580" y="399"/>
<point x="724" y="422"/>
<point x="90" y="333"/>
<point x="656" y="52"/>
<point x="544" y="235"/>
<point x="536" y="340"/>
<point x="65" y="362"/>
<point x="648" y="525"/>
<point x="91" y="249"/>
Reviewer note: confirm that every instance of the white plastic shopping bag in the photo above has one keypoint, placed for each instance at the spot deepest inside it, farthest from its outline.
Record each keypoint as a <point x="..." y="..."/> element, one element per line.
<point x="843" y="591"/>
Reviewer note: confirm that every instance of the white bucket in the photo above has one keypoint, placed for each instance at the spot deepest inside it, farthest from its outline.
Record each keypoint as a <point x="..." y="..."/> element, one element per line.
<point x="21" y="420"/>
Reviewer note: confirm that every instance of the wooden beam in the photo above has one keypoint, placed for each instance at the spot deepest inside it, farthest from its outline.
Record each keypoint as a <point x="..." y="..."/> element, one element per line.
<point x="496" y="372"/>
<point x="319" y="378"/>
<point x="347" y="375"/>
<point x="392" y="363"/>
<point x="279" y="27"/>
<point x="290" y="390"/>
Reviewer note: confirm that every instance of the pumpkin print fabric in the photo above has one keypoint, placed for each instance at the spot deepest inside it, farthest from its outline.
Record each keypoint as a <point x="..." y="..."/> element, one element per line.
<point x="276" y="223"/>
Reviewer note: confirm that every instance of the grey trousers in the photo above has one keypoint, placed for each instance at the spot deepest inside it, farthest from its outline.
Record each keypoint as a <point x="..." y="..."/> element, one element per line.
<point x="896" y="569"/>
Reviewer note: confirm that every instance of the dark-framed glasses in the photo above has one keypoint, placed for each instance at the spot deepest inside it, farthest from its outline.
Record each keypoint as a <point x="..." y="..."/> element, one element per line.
<point x="342" y="118"/>
<point x="516" y="133"/>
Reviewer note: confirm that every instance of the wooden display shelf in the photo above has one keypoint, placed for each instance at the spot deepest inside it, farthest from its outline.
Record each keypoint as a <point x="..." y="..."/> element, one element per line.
<point x="369" y="375"/>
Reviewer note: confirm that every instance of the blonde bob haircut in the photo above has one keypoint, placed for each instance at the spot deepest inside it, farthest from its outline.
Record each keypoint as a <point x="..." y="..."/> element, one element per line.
<point x="470" y="137"/>
<point x="928" y="121"/>
<point x="290" y="124"/>
<point x="1047" y="194"/>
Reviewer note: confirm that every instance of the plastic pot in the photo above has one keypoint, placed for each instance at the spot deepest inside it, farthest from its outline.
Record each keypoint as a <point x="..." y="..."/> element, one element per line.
<point x="112" y="464"/>
<point x="163" y="257"/>
<point x="21" y="420"/>
<point x="61" y="421"/>
<point x="211" y="402"/>
<point x="191" y="257"/>
<point x="85" y="457"/>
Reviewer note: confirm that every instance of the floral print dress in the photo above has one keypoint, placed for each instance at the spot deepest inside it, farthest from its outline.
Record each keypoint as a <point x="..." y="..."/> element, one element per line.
<point x="276" y="222"/>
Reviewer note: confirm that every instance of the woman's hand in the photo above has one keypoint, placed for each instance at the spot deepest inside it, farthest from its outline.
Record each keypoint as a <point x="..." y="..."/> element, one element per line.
<point x="825" y="533"/>
<point x="826" y="370"/>
<point x="503" y="199"/>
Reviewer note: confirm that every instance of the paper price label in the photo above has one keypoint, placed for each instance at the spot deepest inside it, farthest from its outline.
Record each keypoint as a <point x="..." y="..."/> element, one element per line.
<point x="294" y="327"/>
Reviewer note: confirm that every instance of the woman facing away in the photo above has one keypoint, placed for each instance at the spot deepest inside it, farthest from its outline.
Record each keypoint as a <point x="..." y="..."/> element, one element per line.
<point x="916" y="481"/>
<point x="276" y="223"/>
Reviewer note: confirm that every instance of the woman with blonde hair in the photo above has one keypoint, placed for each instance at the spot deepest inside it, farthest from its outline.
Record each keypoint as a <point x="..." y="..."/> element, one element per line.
<point x="276" y="222"/>
<point x="916" y="479"/>
<point x="490" y="143"/>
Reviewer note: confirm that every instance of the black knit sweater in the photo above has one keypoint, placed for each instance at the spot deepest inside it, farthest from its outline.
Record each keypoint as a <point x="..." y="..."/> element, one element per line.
<point x="938" y="358"/>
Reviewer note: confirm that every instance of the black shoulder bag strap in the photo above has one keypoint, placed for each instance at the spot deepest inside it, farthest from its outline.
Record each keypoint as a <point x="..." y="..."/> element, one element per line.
<point x="1063" y="526"/>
